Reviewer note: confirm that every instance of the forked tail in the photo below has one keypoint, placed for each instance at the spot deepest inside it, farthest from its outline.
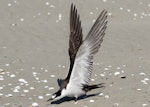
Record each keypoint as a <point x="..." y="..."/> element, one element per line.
<point x="91" y="87"/>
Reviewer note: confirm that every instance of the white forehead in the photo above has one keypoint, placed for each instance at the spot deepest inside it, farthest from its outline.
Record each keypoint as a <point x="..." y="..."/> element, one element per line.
<point x="63" y="92"/>
<point x="53" y="96"/>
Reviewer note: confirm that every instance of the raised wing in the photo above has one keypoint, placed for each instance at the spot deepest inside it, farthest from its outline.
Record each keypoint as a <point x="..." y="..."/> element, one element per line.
<point x="82" y="68"/>
<point x="76" y="35"/>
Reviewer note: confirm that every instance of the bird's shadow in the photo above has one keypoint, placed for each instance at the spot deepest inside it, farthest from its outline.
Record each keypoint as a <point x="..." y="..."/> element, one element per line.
<point x="67" y="99"/>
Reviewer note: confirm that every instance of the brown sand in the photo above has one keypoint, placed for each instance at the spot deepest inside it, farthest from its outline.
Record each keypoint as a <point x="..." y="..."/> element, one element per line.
<point x="34" y="52"/>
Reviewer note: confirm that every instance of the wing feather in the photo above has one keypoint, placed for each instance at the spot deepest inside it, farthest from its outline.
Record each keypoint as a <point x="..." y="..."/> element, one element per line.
<point x="82" y="69"/>
<point x="75" y="39"/>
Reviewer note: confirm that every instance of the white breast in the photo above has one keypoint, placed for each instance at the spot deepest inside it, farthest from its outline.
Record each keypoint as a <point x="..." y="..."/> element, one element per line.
<point x="73" y="90"/>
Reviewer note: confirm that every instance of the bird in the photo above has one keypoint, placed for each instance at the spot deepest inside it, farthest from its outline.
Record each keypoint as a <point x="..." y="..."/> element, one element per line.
<point x="81" y="54"/>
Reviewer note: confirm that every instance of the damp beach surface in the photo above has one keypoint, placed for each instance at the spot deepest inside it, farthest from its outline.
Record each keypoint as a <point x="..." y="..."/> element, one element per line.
<point x="34" y="52"/>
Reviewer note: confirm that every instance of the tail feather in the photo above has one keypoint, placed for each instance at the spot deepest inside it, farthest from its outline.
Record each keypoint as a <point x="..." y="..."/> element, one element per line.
<point x="91" y="87"/>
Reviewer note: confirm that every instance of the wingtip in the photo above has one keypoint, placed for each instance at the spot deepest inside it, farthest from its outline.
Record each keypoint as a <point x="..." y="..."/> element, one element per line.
<point x="73" y="9"/>
<point x="72" y="6"/>
<point x="104" y="13"/>
<point x="101" y="85"/>
<point x="104" y="10"/>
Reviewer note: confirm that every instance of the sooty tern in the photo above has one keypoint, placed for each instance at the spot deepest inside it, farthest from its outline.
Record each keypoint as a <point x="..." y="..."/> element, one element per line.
<point x="81" y="54"/>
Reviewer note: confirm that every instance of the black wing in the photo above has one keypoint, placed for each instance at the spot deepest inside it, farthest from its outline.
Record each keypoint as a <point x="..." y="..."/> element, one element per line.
<point x="76" y="35"/>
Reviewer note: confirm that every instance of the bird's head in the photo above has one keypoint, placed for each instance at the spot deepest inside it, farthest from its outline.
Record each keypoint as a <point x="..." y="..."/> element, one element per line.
<point x="56" y="96"/>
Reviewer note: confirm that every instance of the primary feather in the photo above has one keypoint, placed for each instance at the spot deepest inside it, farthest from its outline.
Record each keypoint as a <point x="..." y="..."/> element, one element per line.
<point x="75" y="39"/>
<point x="81" y="72"/>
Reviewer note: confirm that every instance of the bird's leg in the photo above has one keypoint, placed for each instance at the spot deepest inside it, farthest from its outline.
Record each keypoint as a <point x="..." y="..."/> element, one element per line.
<point x="76" y="98"/>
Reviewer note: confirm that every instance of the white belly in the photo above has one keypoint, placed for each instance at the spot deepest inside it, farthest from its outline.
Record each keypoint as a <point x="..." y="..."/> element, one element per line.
<point x="74" y="91"/>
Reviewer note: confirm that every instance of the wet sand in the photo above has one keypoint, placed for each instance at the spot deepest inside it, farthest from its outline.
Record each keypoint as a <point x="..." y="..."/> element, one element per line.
<point x="34" y="52"/>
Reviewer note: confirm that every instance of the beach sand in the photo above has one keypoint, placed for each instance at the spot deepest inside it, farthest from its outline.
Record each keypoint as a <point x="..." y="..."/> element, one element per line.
<point x="34" y="52"/>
